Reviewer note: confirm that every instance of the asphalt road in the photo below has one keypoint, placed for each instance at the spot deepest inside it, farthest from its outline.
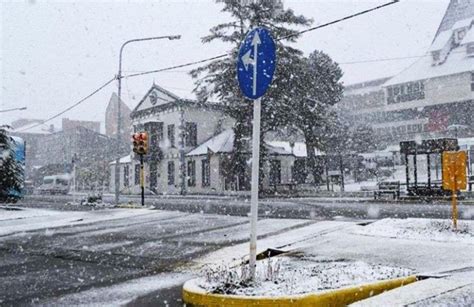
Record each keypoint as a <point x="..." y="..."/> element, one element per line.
<point x="67" y="263"/>
<point x="98" y="258"/>
<point x="301" y="208"/>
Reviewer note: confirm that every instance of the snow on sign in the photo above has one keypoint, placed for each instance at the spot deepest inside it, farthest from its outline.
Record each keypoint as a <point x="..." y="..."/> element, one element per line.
<point x="256" y="63"/>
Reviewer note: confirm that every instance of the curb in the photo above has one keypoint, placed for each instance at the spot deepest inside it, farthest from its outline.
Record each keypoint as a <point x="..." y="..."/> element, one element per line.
<point x="131" y="206"/>
<point x="196" y="296"/>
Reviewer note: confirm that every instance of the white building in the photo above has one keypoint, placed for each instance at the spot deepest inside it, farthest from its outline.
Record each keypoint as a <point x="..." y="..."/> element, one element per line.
<point x="189" y="144"/>
<point x="430" y="97"/>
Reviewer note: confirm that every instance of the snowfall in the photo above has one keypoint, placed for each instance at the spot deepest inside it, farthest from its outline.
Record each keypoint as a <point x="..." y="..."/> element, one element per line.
<point x="320" y="255"/>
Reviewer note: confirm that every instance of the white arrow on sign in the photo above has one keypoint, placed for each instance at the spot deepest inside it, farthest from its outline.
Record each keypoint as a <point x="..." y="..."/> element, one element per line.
<point x="247" y="60"/>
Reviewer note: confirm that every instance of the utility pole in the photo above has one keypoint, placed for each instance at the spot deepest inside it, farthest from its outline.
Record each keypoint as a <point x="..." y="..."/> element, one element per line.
<point x="119" y="114"/>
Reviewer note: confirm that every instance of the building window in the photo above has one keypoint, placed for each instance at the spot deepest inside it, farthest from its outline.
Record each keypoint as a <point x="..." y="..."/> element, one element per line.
<point x="472" y="81"/>
<point x="191" y="134"/>
<point x="406" y="92"/>
<point x="206" y="173"/>
<point x="137" y="174"/>
<point x="470" y="49"/>
<point x="192" y="173"/>
<point x="171" y="173"/>
<point x="126" y="172"/>
<point x="171" y="135"/>
<point x="275" y="172"/>
<point x="155" y="135"/>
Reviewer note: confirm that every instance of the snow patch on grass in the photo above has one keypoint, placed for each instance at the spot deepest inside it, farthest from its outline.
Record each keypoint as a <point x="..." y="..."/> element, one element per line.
<point x="292" y="276"/>
<point x="420" y="229"/>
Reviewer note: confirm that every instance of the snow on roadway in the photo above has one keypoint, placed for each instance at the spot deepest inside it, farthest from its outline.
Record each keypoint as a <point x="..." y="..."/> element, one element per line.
<point x="14" y="213"/>
<point x="121" y="294"/>
<point x="12" y="222"/>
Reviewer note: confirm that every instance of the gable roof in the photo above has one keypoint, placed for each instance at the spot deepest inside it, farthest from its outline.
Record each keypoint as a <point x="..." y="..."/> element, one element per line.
<point x="165" y="100"/>
<point x="162" y="95"/>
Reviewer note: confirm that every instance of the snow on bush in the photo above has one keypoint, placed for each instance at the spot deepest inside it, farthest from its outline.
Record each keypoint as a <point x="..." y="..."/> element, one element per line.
<point x="293" y="276"/>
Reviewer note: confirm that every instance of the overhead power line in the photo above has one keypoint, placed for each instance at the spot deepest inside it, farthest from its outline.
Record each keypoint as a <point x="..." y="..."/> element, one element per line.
<point x="176" y="66"/>
<point x="71" y="107"/>
<point x="278" y="39"/>
<point x="339" y="20"/>
<point x="210" y="59"/>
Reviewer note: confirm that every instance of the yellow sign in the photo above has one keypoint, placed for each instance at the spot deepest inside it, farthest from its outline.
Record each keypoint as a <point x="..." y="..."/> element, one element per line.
<point x="454" y="170"/>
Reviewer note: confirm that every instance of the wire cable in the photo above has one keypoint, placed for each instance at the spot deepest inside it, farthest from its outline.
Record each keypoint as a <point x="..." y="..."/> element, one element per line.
<point x="278" y="39"/>
<point x="177" y="66"/>
<point x="338" y="20"/>
<point x="70" y="107"/>
<point x="209" y="59"/>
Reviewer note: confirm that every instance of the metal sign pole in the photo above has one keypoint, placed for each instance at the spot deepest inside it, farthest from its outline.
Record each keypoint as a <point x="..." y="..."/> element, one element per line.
<point x="254" y="192"/>
<point x="260" y="44"/>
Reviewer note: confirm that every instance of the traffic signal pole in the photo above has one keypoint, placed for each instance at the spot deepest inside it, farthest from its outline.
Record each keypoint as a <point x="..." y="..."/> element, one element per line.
<point x="142" y="180"/>
<point x="119" y="113"/>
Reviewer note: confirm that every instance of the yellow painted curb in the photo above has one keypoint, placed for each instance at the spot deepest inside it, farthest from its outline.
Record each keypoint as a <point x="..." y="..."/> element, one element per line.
<point x="340" y="297"/>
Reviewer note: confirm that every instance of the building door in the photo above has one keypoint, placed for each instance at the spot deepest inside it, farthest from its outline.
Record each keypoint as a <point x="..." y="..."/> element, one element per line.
<point x="275" y="172"/>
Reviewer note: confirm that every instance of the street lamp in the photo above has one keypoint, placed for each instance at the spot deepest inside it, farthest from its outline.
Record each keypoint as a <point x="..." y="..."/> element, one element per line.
<point x="14" y="109"/>
<point x="119" y="115"/>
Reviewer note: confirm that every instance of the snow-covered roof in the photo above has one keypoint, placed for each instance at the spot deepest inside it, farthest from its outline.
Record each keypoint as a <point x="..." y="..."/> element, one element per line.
<point x="299" y="149"/>
<point x="469" y="37"/>
<point x="124" y="160"/>
<point x="223" y="142"/>
<point x="374" y="154"/>
<point x="466" y="141"/>
<point x="392" y="148"/>
<point x="33" y="128"/>
<point x="441" y="40"/>
<point x="457" y="62"/>
<point x="462" y="23"/>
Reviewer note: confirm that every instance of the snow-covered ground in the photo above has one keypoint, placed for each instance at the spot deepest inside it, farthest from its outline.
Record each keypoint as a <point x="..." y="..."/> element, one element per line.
<point x="17" y="221"/>
<point x="423" y="246"/>
<point x="282" y="276"/>
<point x="420" y="229"/>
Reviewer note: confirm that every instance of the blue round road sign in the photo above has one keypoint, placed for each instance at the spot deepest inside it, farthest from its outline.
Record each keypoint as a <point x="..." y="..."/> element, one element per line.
<point x="256" y="63"/>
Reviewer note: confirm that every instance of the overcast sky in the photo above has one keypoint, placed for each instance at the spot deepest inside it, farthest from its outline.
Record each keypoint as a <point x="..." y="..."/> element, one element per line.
<point x="55" y="53"/>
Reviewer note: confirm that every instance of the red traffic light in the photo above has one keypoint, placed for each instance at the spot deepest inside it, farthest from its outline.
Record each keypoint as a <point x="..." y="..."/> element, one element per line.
<point x="140" y="142"/>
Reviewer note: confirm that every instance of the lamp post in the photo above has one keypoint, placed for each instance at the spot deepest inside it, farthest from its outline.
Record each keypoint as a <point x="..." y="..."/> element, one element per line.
<point x="119" y="115"/>
<point x="13" y="109"/>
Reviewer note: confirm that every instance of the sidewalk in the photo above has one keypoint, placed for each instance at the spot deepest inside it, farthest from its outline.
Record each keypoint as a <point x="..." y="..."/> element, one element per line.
<point x="425" y="246"/>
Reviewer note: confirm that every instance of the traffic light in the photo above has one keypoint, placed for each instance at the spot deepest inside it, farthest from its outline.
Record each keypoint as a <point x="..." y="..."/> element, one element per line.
<point x="144" y="144"/>
<point x="140" y="143"/>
